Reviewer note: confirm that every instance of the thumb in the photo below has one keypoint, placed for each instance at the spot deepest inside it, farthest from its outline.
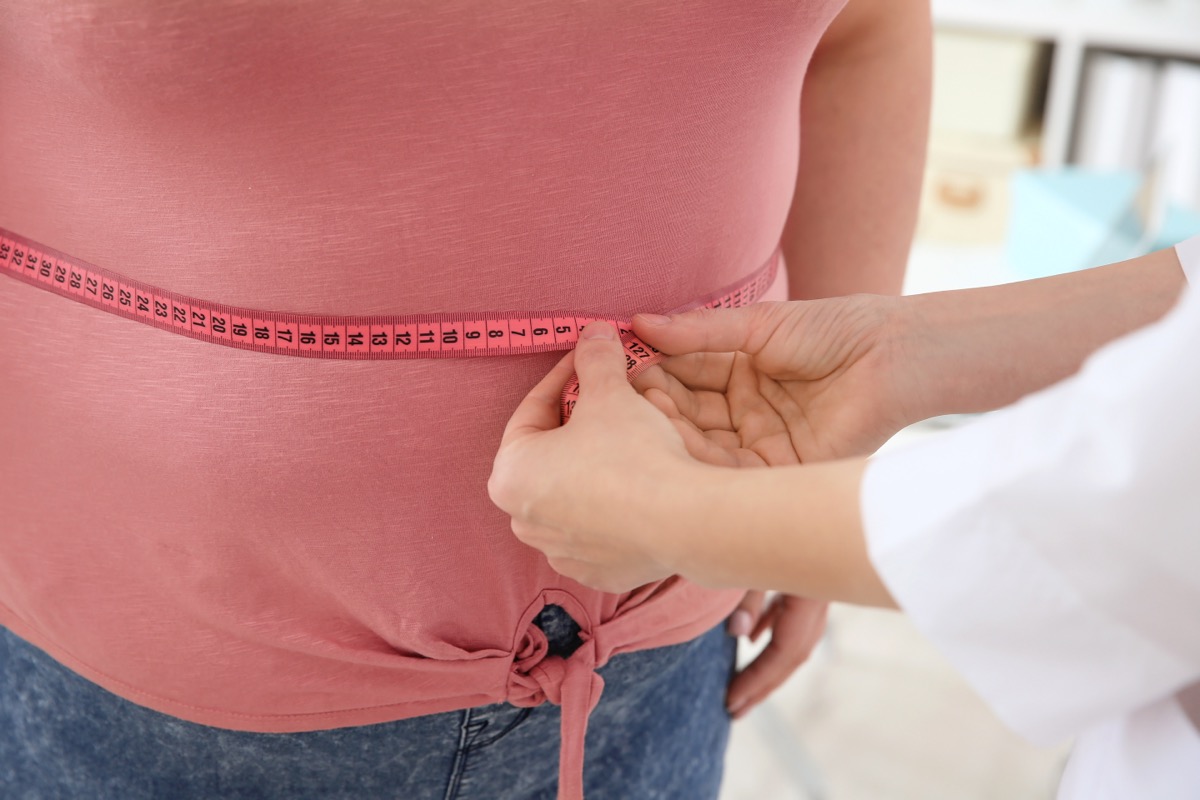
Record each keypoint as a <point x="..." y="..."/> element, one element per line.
<point x="745" y="617"/>
<point x="710" y="330"/>
<point x="600" y="362"/>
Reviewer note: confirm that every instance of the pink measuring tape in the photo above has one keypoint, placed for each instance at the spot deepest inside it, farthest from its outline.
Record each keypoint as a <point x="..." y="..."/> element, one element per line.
<point x="449" y="335"/>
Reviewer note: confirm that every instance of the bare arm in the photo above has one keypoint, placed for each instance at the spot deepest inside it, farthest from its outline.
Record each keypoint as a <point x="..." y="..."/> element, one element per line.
<point x="636" y="508"/>
<point x="796" y="529"/>
<point x="864" y="122"/>
<point x="799" y="528"/>
<point x="980" y="349"/>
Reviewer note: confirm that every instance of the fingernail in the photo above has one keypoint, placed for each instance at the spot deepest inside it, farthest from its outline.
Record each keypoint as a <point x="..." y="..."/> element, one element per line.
<point x="599" y="330"/>
<point x="654" y="319"/>
<point x="741" y="623"/>
<point x="734" y="708"/>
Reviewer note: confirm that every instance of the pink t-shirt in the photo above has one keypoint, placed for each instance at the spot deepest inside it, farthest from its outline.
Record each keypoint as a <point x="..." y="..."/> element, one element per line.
<point x="283" y="544"/>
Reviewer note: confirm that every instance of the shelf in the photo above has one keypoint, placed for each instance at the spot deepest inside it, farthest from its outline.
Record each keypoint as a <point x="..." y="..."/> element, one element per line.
<point x="1155" y="28"/>
<point x="1144" y="26"/>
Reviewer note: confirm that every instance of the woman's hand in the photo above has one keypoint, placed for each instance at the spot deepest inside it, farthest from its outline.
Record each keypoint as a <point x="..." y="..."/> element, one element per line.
<point x="796" y="625"/>
<point x="808" y="382"/>
<point x="592" y="494"/>
<point x="766" y="405"/>
<point x="781" y="383"/>
<point x="562" y="485"/>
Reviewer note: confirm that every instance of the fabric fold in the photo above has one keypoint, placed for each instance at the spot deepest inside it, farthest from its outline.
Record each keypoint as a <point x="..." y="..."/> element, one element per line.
<point x="571" y="683"/>
<point x="581" y="690"/>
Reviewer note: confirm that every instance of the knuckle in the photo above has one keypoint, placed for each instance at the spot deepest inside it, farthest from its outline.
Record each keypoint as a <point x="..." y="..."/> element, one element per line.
<point x="495" y="490"/>
<point x="500" y="489"/>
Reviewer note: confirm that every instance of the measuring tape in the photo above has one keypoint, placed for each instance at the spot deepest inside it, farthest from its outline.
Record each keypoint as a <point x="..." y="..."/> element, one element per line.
<point x="465" y="335"/>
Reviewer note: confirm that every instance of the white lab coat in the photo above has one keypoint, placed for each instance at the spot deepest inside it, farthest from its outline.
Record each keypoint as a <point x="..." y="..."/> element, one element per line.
<point x="1051" y="550"/>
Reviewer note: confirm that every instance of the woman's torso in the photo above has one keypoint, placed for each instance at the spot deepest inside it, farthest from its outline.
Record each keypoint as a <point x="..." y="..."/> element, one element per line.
<point x="263" y="535"/>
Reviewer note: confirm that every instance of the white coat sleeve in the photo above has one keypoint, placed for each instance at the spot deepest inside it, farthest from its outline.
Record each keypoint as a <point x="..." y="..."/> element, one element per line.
<point x="1051" y="550"/>
<point x="1189" y="257"/>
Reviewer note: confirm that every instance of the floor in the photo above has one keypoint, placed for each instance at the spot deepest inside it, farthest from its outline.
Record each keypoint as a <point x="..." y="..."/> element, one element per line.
<point x="877" y="713"/>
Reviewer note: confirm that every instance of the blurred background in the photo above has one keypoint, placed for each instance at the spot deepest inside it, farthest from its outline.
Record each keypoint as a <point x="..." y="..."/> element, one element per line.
<point x="1065" y="135"/>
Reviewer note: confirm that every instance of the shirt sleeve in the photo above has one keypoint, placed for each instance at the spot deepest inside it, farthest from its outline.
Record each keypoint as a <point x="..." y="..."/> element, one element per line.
<point x="1051" y="550"/>
<point x="1189" y="257"/>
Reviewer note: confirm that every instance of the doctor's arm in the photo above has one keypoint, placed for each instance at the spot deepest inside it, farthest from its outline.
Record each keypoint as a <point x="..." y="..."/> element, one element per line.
<point x="780" y="383"/>
<point x="768" y="381"/>
<point x="1062" y="523"/>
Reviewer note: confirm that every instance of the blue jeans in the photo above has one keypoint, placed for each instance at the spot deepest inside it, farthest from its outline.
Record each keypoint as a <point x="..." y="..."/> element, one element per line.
<point x="659" y="731"/>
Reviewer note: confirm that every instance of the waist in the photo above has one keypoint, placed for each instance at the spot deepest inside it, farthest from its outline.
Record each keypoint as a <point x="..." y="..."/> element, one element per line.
<point x="288" y="532"/>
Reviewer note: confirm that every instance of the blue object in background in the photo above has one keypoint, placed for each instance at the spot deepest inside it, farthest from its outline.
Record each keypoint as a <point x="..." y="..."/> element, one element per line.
<point x="1180" y="224"/>
<point x="1069" y="219"/>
